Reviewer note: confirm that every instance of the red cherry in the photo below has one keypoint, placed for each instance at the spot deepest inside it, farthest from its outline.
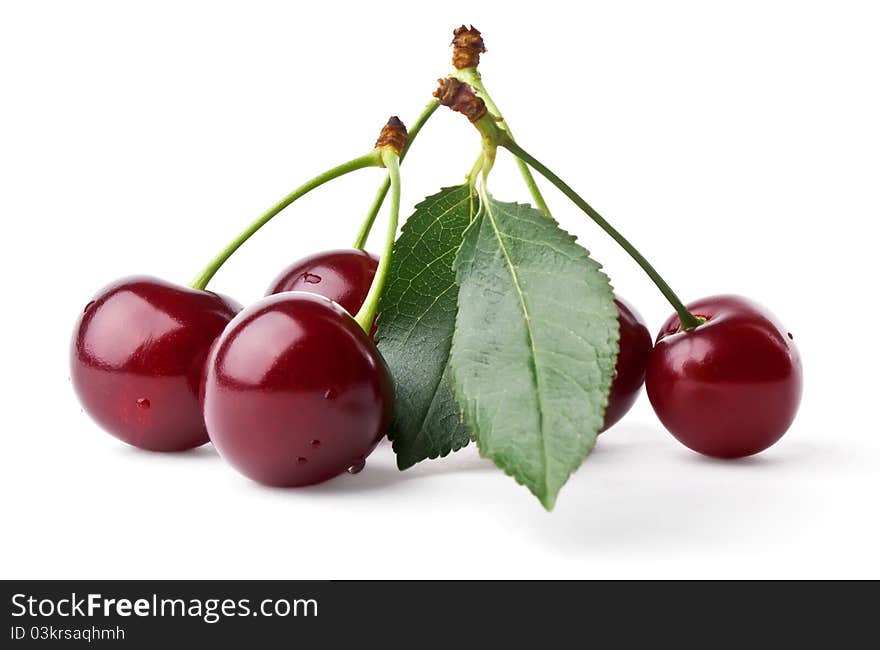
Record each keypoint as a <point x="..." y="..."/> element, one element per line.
<point x="632" y="361"/>
<point x="137" y="357"/>
<point x="295" y="392"/>
<point x="343" y="275"/>
<point x="731" y="387"/>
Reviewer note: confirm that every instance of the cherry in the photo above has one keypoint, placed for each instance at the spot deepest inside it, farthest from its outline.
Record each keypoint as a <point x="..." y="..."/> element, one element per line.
<point x="137" y="357"/>
<point x="632" y="361"/>
<point x="731" y="386"/>
<point x="343" y="275"/>
<point x="295" y="391"/>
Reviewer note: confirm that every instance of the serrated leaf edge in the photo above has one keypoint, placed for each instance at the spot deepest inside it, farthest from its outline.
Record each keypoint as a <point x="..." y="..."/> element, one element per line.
<point x="455" y="446"/>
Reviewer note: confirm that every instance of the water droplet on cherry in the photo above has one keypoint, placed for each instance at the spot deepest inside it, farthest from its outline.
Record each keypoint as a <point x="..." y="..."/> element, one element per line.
<point x="311" y="278"/>
<point x="143" y="403"/>
<point x="329" y="394"/>
<point x="315" y="443"/>
<point x="357" y="466"/>
<point x="302" y="460"/>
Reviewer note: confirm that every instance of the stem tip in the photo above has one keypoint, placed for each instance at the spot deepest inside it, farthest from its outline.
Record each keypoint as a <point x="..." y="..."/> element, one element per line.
<point x="393" y="135"/>
<point x="467" y="45"/>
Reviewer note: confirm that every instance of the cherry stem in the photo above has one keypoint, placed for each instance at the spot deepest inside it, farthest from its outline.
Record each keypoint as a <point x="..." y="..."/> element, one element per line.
<point x="472" y="177"/>
<point x="688" y="320"/>
<point x="413" y="131"/>
<point x="372" y="159"/>
<point x="472" y="77"/>
<point x="366" y="313"/>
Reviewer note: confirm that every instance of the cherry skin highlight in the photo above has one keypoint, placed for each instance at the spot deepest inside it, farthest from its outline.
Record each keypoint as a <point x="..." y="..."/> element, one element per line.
<point x="632" y="362"/>
<point x="137" y="358"/>
<point x="730" y="387"/>
<point x="295" y="392"/>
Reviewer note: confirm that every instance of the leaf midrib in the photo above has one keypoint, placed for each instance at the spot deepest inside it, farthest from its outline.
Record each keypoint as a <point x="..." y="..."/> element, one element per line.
<point x="528" y="321"/>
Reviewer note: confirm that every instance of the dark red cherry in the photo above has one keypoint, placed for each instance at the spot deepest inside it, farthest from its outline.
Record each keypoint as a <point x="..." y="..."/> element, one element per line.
<point x="632" y="361"/>
<point x="295" y="392"/>
<point x="730" y="387"/>
<point x="137" y="356"/>
<point x="343" y="275"/>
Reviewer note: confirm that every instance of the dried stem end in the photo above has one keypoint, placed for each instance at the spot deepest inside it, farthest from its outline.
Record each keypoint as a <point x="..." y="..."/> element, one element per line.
<point x="467" y="45"/>
<point x="461" y="98"/>
<point x="393" y="135"/>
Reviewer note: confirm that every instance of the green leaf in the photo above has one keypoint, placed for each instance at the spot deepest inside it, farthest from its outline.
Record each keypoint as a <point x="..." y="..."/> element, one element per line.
<point x="416" y="322"/>
<point x="534" y="347"/>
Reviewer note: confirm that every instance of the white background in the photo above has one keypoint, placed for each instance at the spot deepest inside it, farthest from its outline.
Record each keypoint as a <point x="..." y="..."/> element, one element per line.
<point x="736" y="144"/>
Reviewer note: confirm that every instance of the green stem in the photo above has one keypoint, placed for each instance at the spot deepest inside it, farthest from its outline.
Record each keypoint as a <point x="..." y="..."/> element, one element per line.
<point x="474" y="173"/>
<point x="688" y="320"/>
<point x="372" y="159"/>
<point x="367" y="226"/>
<point x="365" y="314"/>
<point x="472" y="77"/>
<point x="472" y="177"/>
